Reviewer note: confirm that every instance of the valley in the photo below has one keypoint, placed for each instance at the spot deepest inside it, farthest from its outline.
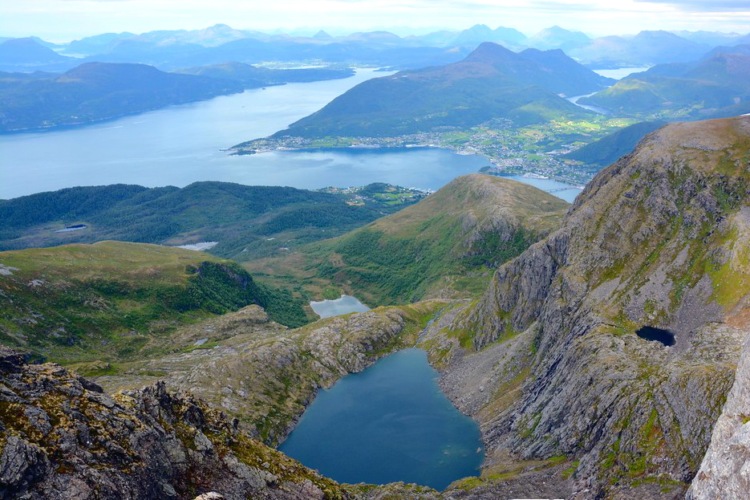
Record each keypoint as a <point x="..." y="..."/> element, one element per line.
<point x="172" y="319"/>
<point x="540" y="328"/>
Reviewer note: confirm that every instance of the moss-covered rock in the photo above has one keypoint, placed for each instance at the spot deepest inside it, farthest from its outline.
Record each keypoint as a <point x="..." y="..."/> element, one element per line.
<point x="63" y="437"/>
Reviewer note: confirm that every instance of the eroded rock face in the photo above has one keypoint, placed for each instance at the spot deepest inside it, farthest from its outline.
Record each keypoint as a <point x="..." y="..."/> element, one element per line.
<point x="658" y="239"/>
<point x="267" y="375"/>
<point x="62" y="437"/>
<point x="725" y="470"/>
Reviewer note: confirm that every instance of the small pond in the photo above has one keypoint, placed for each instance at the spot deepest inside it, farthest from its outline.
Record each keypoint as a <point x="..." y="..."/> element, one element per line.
<point x="388" y="423"/>
<point x="343" y="305"/>
<point x="656" y="334"/>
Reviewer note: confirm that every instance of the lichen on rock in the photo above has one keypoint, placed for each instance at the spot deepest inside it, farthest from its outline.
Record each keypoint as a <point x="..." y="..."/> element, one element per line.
<point x="62" y="437"/>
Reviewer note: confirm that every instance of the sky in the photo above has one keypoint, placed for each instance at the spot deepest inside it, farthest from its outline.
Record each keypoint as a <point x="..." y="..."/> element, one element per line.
<point x="65" y="20"/>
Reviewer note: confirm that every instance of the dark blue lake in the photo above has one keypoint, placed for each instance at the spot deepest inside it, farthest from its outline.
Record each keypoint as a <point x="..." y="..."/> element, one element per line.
<point x="389" y="423"/>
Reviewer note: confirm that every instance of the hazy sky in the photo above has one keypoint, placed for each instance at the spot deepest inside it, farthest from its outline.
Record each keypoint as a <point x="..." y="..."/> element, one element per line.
<point x="64" y="20"/>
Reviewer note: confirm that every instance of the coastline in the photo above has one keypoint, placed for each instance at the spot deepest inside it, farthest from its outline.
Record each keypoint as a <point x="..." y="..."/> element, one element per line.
<point x="508" y="165"/>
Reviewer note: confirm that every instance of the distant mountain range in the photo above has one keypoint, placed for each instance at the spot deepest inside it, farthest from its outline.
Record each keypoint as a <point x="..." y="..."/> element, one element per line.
<point x="27" y="54"/>
<point x="717" y="85"/>
<point x="492" y="82"/>
<point x="481" y="33"/>
<point x="176" y="49"/>
<point x="95" y="92"/>
<point x="558" y="38"/>
<point x="647" y="48"/>
<point x="253" y="76"/>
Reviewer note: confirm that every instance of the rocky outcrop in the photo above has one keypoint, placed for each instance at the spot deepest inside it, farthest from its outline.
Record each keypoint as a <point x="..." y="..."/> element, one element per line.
<point x="658" y="239"/>
<point x="63" y="437"/>
<point x="264" y="374"/>
<point x="724" y="471"/>
<point x="571" y="399"/>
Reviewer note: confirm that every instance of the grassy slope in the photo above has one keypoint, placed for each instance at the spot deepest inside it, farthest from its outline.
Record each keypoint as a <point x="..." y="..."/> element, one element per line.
<point x="113" y="301"/>
<point x="609" y="149"/>
<point x="492" y="82"/>
<point x="446" y="242"/>
<point x="247" y="221"/>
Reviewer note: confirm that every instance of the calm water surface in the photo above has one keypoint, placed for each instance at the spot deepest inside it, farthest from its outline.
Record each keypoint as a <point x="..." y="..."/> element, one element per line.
<point x="564" y="191"/>
<point x="172" y="146"/>
<point x="620" y="73"/>
<point x="183" y="144"/>
<point x="343" y="305"/>
<point x="389" y="423"/>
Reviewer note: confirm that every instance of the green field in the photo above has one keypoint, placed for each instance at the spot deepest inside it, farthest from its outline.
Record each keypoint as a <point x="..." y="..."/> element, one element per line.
<point x="114" y="301"/>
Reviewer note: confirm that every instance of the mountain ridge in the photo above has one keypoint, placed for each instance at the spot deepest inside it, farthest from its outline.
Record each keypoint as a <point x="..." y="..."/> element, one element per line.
<point x="150" y="443"/>
<point x="656" y="240"/>
<point x="715" y="86"/>
<point x="444" y="245"/>
<point x="202" y="211"/>
<point x="93" y="92"/>
<point x="491" y="82"/>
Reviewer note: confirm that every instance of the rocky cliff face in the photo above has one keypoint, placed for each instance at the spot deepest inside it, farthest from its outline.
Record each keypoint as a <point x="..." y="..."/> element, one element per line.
<point x="724" y="470"/>
<point x="659" y="239"/>
<point x="554" y="361"/>
<point x="263" y="373"/>
<point x="63" y="437"/>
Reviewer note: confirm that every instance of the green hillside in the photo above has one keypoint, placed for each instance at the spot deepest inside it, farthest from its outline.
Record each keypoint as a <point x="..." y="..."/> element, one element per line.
<point x="253" y="76"/>
<point x="609" y="149"/>
<point x="716" y="86"/>
<point x="246" y="221"/>
<point x="112" y="301"/>
<point x="443" y="245"/>
<point x="492" y="82"/>
<point x="94" y="92"/>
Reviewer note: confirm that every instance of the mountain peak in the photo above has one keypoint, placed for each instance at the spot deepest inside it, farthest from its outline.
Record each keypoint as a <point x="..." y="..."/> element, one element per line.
<point x="480" y="29"/>
<point x="555" y="29"/>
<point x="702" y="143"/>
<point x="109" y="71"/>
<point x="27" y="50"/>
<point x="322" y="35"/>
<point x="490" y="53"/>
<point x="556" y="37"/>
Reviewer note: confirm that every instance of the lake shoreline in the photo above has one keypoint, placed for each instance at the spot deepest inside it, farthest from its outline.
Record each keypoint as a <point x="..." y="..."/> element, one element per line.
<point x="453" y="449"/>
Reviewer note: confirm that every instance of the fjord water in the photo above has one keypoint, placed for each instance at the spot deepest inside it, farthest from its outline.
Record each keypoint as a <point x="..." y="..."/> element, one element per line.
<point x="563" y="191"/>
<point x="388" y="423"/>
<point x="183" y="144"/>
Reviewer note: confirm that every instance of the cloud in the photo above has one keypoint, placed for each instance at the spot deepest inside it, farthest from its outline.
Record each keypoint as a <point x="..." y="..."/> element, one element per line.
<point x="63" y="20"/>
<point x="705" y="5"/>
